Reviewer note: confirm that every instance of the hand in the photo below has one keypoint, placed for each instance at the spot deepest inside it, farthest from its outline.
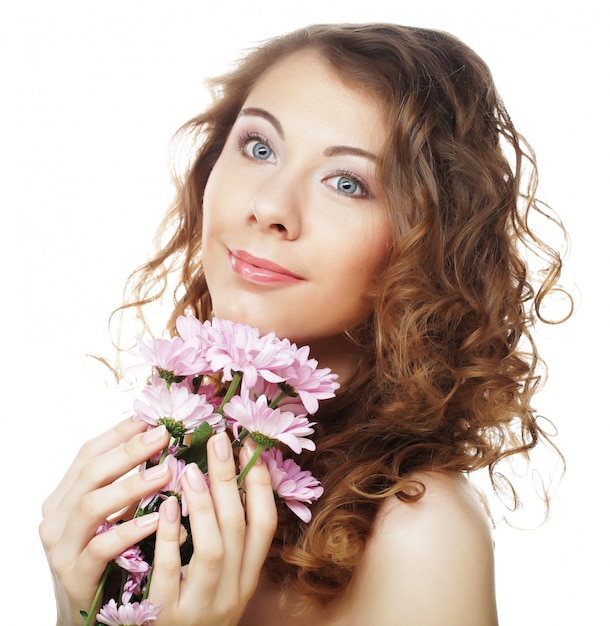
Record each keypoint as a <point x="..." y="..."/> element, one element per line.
<point x="228" y="551"/>
<point x="85" y="498"/>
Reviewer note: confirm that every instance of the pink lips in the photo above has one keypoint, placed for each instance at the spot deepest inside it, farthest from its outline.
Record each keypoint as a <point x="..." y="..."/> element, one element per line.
<point x="262" y="271"/>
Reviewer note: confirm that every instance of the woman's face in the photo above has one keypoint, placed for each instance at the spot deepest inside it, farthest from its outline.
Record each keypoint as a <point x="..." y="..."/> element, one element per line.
<point x="294" y="229"/>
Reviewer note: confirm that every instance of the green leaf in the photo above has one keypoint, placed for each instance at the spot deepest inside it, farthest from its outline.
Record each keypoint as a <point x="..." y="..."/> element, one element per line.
<point x="196" y="452"/>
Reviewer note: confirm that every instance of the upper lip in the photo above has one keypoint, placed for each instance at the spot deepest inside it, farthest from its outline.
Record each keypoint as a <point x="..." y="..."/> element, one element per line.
<point x="263" y="264"/>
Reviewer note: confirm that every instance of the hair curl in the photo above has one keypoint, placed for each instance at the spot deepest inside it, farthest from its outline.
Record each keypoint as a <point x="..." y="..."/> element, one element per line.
<point x="447" y="365"/>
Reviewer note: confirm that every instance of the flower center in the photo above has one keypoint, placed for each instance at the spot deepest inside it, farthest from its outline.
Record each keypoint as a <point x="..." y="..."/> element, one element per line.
<point x="174" y="428"/>
<point x="263" y="440"/>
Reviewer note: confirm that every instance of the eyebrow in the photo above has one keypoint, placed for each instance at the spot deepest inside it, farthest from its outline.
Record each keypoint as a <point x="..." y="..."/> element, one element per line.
<point x="265" y="115"/>
<point x="339" y="150"/>
<point x="329" y="152"/>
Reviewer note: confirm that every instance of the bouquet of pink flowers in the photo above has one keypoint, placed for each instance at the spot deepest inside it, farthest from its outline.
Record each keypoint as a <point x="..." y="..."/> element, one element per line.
<point x="270" y="388"/>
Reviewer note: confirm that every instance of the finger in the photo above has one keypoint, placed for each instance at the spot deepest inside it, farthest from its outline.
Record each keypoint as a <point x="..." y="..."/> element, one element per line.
<point x="165" y="582"/>
<point x="95" y="507"/>
<point x="261" y="516"/>
<point x="206" y="565"/>
<point x="108" y="545"/>
<point x="80" y="579"/>
<point x="110" y="439"/>
<point x="84" y="495"/>
<point x="230" y="513"/>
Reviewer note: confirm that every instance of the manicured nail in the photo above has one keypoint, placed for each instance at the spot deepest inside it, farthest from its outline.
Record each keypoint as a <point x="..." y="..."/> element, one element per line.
<point x="156" y="471"/>
<point x="155" y="434"/>
<point x="195" y="478"/>
<point x="147" y="520"/>
<point x="171" y="509"/>
<point x="222" y="446"/>
<point x="250" y="448"/>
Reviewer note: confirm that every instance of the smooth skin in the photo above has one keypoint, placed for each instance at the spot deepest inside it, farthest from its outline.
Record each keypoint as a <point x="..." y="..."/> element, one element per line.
<point x="426" y="564"/>
<point x="228" y="553"/>
<point x="307" y="200"/>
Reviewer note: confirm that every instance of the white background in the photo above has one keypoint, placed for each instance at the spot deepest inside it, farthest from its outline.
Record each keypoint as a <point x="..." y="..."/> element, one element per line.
<point x="91" y="94"/>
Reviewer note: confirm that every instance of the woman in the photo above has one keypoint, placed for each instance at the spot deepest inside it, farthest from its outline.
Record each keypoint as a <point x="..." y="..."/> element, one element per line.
<point x="357" y="198"/>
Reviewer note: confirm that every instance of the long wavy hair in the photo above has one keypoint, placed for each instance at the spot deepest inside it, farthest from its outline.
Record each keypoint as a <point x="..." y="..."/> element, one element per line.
<point x="446" y="362"/>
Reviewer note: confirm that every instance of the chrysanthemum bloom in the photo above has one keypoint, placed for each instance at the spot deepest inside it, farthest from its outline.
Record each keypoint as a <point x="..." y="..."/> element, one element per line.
<point x="173" y="487"/>
<point x="296" y="487"/>
<point x="138" y="569"/>
<point x="130" y="560"/>
<point x="240" y="348"/>
<point x="174" y="358"/>
<point x="268" y="426"/>
<point x="176" y="408"/>
<point x="193" y="330"/>
<point x="273" y="391"/>
<point x="135" y="614"/>
<point x="304" y="378"/>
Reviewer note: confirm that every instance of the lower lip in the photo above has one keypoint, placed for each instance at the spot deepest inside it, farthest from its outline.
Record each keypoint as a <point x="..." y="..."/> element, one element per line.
<point x="260" y="275"/>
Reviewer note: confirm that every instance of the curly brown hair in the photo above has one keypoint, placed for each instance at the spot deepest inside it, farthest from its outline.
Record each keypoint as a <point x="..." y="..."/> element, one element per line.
<point x="447" y="365"/>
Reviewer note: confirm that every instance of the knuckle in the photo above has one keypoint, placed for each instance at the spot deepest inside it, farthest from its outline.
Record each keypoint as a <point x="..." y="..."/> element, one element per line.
<point x="95" y="550"/>
<point x="87" y="507"/>
<point x="46" y="534"/>
<point x="234" y="525"/>
<point x="214" y="556"/>
<point x="88" y="450"/>
<point x="267" y="523"/>
<point x="168" y="569"/>
<point x="88" y="474"/>
<point x="46" y="507"/>
<point x="132" y="447"/>
<point x="57" y="561"/>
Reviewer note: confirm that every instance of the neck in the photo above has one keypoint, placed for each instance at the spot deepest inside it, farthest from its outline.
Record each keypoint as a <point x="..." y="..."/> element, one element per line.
<point x="337" y="353"/>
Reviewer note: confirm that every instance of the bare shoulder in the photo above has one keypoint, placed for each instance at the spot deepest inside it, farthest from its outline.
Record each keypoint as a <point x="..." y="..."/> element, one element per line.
<point x="428" y="562"/>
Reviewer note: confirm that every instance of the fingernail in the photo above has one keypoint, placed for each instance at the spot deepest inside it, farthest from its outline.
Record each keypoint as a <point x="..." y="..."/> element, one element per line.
<point x="171" y="509"/>
<point x="155" y="434"/>
<point x="250" y="448"/>
<point x="147" y="520"/>
<point x="195" y="478"/>
<point x="222" y="446"/>
<point x="156" y="471"/>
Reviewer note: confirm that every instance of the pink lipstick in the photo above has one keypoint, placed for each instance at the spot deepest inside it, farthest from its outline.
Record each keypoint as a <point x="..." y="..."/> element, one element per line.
<point x="261" y="271"/>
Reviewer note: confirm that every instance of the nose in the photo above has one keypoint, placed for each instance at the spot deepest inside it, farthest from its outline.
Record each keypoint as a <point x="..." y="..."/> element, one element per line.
<point x="277" y="205"/>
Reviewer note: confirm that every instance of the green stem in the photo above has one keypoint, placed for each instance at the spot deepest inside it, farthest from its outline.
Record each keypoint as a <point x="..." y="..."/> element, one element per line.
<point x="98" y="594"/>
<point x="274" y="403"/>
<point x="230" y="391"/>
<point x="147" y="589"/>
<point x="251" y="462"/>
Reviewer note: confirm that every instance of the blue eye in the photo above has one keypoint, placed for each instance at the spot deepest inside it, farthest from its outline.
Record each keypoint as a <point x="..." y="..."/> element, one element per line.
<point x="348" y="185"/>
<point x="258" y="150"/>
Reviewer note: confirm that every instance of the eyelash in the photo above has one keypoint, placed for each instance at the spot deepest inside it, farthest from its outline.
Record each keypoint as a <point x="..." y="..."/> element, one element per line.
<point x="246" y="137"/>
<point x="366" y="192"/>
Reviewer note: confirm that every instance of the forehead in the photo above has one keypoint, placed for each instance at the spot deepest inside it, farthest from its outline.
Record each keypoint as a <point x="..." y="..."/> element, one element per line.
<point x="303" y="85"/>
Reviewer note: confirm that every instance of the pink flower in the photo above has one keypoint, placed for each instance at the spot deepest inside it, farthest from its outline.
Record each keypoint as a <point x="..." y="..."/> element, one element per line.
<point x="138" y="569"/>
<point x="173" y="486"/>
<point x="272" y="391"/>
<point x="296" y="487"/>
<point x="240" y="348"/>
<point x="191" y="329"/>
<point x="309" y="382"/>
<point x="176" y="356"/>
<point x="180" y="410"/>
<point x="130" y="560"/>
<point x="267" y="426"/>
<point x="136" y="614"/>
